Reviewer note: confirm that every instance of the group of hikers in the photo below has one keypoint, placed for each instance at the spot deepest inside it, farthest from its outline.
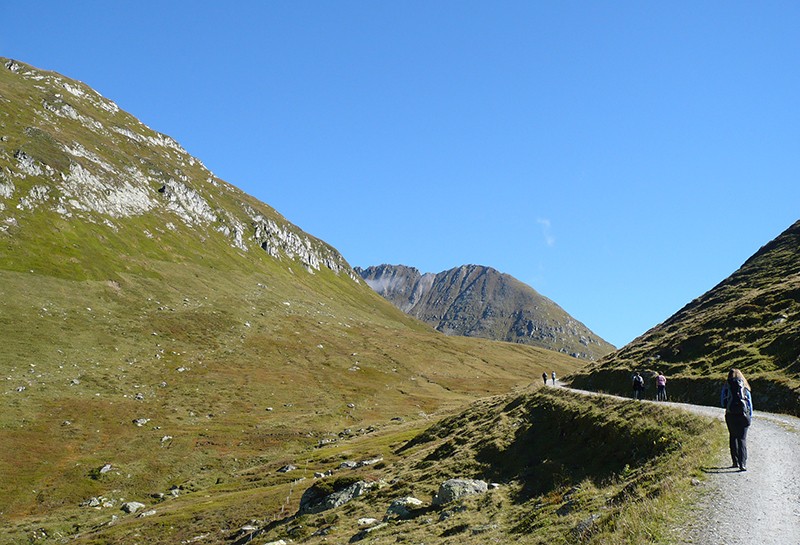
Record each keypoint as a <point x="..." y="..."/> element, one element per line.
<point x="661" y="386"/>
<point x="735" y="398"/>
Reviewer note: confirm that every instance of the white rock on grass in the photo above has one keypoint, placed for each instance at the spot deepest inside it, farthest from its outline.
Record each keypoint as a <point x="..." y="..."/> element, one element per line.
<point x="132" y="506"/>
<point x="455" y="489"/>
<point x="403" y="507"/>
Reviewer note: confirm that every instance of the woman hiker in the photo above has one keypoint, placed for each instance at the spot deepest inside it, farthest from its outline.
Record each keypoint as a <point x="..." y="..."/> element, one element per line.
<point x="738" y="403"/>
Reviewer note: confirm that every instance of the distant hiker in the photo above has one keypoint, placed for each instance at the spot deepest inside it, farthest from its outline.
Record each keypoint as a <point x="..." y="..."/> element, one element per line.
<point x="738" y="403"/>
<point x="638" y="386"/>
<point x="554" y="378"/>
<point x="544" y="378"/>
<point x="661" y="387"/>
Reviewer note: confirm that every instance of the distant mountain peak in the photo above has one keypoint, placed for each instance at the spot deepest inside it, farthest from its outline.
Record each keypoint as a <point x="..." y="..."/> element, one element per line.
<point x="479" y="301"/>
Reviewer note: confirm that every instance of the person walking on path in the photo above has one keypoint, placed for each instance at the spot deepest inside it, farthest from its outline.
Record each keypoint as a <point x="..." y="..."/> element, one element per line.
<point x="661" y="387"/>
<point x="554" y="378"/>
<point x="638" y="386"/>
<point x="544" y="378"/>
<point x="738" y="403"/>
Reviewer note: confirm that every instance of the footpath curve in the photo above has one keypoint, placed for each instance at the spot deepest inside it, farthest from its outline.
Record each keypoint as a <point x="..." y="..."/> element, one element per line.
<point x="758" y="506"/>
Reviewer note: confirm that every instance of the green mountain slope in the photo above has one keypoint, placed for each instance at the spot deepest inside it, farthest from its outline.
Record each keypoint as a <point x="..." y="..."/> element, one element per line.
<point x="751" y="321"/>
<point x="168" y="339"/>
<point x="477" y="301"/>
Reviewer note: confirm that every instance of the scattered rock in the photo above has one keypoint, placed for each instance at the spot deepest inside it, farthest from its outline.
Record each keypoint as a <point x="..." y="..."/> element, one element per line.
<point x="458" y="488"/>
<point x="367" y="521"/>
<point x="149" y="513"/>
<point x="310" y="502"/>
<point x="370" y="462"/>
<point x="106" y="468"/>
<point x="141" y="421"/>
<point x="585" y="526"/>
<point x="367" y="531"/>
<point x="132" y="506"/>
<point x="403" y="507"/>
<point x="287" y="468"/>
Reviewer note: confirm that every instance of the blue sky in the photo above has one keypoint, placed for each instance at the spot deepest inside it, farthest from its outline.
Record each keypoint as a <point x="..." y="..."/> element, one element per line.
<point x="622" y="158"/>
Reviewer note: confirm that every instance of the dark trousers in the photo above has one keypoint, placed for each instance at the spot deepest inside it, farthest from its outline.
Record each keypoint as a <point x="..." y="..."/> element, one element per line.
<point x="738" y="425"/>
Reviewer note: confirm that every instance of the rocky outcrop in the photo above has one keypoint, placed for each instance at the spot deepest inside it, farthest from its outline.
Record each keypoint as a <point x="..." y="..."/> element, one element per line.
<point x="477" y="301"/>
<point x="54" y="164"/>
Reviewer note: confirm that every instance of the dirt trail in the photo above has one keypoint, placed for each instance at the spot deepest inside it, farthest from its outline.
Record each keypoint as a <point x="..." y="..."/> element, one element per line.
<point x="761" y="505"/>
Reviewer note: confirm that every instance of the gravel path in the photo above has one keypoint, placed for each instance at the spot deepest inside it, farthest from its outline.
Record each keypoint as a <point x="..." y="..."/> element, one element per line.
<point x="759" y="506"/>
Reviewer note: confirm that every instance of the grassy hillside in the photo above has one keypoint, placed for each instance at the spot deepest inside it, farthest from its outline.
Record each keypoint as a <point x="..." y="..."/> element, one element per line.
<point x="750" y="321"/>
<point x="165" y="336"/>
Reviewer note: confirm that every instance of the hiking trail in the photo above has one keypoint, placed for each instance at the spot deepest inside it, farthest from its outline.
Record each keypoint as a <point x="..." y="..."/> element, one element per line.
<point x="760" y="505"/>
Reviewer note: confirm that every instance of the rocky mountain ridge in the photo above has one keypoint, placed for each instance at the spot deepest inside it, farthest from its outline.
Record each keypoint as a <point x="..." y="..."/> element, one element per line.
<point x="479" y="301"/>
<point x="74" y="153"/>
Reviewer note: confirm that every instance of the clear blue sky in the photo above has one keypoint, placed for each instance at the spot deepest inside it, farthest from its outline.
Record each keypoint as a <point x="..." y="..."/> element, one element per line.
<point x="621" y="158"/>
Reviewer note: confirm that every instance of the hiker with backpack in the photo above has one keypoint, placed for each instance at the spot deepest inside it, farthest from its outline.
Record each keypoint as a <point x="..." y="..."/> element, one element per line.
<point x="738" y="403"/>
<point x="544" y="378"/>
<point x="638" y="386"/>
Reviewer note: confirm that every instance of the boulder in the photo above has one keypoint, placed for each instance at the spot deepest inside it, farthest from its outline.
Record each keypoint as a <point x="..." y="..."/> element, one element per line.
<point x="132" y="506"/>
<point x="403" y="507"/>
<point x="455" y="489"/>
<point x="310" y="503"/>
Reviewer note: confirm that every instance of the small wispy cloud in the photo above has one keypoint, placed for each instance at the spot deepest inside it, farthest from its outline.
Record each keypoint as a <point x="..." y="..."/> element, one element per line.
<point x="549" y="239"/>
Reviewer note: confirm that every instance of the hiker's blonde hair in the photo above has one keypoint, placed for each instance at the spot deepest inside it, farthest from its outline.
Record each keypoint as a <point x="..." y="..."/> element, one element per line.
<point x="736" y="373"/>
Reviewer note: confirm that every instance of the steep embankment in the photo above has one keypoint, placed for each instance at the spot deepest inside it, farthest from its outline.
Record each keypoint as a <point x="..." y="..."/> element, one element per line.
<point x="751" y="321"/>
<point x="477" y="301"/>
<point x="166" y="337"/>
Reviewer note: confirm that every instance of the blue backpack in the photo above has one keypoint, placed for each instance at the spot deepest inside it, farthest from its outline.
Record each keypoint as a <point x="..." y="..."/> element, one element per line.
<point x="737" y="398"/>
